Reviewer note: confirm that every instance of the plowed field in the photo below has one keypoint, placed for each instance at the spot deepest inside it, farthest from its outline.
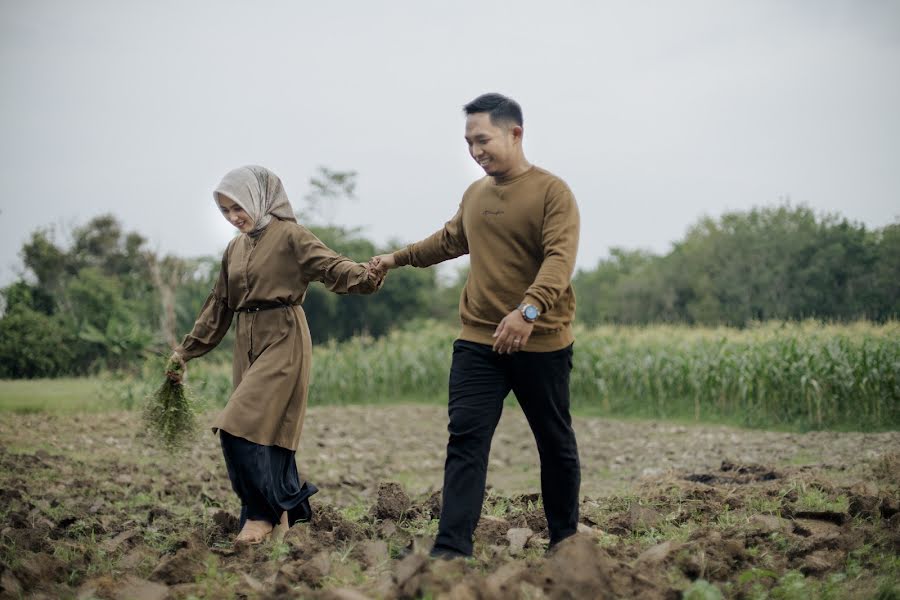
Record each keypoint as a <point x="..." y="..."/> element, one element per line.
<point x="91" y="508"/>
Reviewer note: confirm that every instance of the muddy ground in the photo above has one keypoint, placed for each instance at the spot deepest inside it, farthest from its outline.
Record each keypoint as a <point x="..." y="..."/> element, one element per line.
<point x="89" y="508"/>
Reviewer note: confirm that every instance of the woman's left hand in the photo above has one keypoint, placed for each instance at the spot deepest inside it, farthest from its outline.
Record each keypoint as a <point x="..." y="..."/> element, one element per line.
<point x="375" y="274"/>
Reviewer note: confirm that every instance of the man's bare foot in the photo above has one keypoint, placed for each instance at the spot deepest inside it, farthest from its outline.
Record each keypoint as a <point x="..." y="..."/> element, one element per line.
<point x="254" y="532"/>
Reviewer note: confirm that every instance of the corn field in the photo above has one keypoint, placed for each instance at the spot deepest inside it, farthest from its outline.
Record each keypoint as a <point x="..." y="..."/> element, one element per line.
<point x="801" y="375"/>
<point x="808" y="375"/>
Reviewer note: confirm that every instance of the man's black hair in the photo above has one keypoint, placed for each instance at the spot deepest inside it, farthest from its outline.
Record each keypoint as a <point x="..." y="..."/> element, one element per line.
<point x="502" y="110"/>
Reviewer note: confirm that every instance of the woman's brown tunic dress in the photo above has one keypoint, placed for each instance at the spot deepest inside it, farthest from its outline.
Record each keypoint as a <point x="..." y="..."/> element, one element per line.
<point x="272" y="348"/>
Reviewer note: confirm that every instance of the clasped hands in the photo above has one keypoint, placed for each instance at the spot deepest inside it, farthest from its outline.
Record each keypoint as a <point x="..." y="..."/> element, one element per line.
<point x="378" y="266"/>
<point x="511" y="334"/>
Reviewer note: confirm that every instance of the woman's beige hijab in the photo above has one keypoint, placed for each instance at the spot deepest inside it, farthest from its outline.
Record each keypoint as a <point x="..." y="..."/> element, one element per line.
<point x="259" y="192"/>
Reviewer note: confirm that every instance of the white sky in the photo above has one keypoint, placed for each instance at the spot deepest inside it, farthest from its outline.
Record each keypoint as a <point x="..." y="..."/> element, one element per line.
<point x="655" y="113"/>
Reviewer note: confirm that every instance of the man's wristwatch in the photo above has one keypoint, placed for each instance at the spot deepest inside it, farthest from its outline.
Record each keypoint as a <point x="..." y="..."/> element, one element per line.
<point x="529" y="312"/>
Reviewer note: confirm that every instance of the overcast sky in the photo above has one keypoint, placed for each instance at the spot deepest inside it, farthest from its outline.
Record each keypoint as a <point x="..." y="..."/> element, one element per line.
<point x="655" y="113"/>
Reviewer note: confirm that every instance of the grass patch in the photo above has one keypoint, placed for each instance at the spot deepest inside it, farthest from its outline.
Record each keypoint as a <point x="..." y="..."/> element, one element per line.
<point x="66" y="395"/>
<point x="105" y="393"/>
<point x="814" y="499"/>
<point x="355" y="512"/>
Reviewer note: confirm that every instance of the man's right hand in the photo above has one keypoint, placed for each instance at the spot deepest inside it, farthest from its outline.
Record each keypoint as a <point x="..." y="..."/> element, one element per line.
<point x="383" y="262"/>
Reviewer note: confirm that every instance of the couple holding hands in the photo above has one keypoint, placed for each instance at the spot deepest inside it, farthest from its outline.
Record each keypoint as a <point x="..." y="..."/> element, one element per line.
<point x="519" y="224"/>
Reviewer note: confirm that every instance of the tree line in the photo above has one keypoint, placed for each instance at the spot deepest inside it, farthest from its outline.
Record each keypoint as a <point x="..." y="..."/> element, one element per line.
<point x="774" y="263"/>
<point x="104" y="300"/>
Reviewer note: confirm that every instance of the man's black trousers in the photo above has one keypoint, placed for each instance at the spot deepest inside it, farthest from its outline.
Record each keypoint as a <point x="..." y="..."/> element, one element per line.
<point x="480" y="379"/>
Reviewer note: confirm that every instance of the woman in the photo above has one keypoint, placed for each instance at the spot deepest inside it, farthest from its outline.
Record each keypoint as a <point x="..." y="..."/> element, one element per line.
<point x="265" y="273"/>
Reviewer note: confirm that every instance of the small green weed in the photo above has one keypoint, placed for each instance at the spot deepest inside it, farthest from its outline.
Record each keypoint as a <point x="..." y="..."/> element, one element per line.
<point x="217" y="583"/>
<point x="702" y="590"/>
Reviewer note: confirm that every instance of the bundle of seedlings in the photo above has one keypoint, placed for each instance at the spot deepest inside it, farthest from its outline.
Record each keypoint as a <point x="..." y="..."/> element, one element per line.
<point x="171" y="411"/>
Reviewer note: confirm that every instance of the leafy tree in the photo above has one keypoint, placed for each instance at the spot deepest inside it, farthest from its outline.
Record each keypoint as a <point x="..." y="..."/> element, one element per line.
<point x="885" y="280"/>
<point x="32" y="344"/>
<point x="98" y="292"/>
<point x="33" y="297"/>
<point x="104" y="300"/>
<point x="404" y="295"/>
<point x="768" y="263"/>
<point x="108" y="326"/>
<point x="43" y="257"/>
<point x="599" y="293"/>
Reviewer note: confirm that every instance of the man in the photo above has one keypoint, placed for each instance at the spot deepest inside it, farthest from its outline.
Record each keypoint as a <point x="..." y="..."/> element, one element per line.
<point x="519" y="224"/>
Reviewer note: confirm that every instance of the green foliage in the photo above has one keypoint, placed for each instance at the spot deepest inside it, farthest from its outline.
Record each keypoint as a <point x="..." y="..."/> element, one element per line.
<point x="769" y="263"/>
<point x="59" y="395"/>
<point x="32" y="344"/>
<point x="602" y="294"/>
<point x="808" y="376"/>
<point x="171" y="413"/>
<point x="792" y="586"/>
<point x="414" y="363"/>
<point x="805" y="375"/>
<point x="104" y="321"/>
<point x="216" y="582"/>
<point x="702" y="590"/>
<point x="406" y="294"/>
<point x="404" y="363"/>
<point x="45" y="259"/>
<point x="888" y="591"/>
<point x="209" y="383"/>
<point x="814" y="499"/>
<point x="92" y="305"/>
<point x="104" y="301"/>
<point x="198" y="276"/>
<point x="22" y="294"/>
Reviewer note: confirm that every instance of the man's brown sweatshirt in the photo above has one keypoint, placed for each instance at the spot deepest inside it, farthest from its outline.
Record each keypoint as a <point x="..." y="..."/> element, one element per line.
<point x="522" y="238"/>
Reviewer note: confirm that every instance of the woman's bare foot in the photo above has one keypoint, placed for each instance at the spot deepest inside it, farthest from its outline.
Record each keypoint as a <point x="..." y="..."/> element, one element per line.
<point x="254" y="532"/>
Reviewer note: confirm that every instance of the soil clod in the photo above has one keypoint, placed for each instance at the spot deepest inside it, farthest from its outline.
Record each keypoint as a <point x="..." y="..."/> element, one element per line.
<point x="391" y="501"/>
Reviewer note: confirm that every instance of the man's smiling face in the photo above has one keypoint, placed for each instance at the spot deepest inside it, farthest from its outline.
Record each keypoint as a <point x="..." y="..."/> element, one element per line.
<point x="494" y="147"/>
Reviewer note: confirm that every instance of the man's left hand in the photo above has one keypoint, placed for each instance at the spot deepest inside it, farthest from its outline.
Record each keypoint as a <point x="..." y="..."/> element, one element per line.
<point x="512" y="333"/>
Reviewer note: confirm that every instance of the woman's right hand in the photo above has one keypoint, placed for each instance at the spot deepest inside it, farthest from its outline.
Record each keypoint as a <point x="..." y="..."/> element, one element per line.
<point x="176" y="368"/>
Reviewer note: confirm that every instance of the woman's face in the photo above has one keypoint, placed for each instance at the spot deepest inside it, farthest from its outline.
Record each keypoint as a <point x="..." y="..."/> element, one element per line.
<point x="235" y="214"/>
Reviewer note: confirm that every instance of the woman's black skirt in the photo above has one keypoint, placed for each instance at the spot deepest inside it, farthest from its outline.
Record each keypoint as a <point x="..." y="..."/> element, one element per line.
<point x="266" y="480"/>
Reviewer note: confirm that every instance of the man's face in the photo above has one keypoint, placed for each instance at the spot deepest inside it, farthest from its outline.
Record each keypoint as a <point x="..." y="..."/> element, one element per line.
<point x="494" y="147"/>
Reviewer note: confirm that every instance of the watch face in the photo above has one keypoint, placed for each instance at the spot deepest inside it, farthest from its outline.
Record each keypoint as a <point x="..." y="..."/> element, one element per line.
<point x="531" y="313"/>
